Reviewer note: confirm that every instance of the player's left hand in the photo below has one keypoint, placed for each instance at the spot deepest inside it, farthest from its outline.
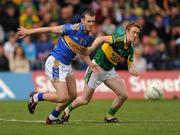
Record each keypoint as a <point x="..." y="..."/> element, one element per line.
<point x="95" y="68"/>
<point x="133" y="72"/>
<point x="22" y="32"/>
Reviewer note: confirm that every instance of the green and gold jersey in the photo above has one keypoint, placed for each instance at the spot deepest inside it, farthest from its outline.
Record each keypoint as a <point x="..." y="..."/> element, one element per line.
<point x="110" y="54"/>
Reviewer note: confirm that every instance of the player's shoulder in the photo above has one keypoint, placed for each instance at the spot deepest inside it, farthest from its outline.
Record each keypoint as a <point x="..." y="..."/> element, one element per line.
<point x="75" y="26"/>
<point x="119" y="37"/>
<point x="72" y="26"/>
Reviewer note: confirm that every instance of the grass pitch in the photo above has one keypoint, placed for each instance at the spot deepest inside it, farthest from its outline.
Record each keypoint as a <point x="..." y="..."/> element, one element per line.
<point x="139" y="117"/>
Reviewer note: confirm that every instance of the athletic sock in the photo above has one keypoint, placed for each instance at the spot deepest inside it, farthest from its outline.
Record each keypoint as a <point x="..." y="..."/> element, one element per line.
<point x="54" y="115"/>
<point x="111" y="112"/>
<point x="70" y="107"/>
<point x="38" y="97"/>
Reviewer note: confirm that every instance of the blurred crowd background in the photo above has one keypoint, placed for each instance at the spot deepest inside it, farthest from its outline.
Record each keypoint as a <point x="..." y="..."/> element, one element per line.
<point x="158" y="46"/>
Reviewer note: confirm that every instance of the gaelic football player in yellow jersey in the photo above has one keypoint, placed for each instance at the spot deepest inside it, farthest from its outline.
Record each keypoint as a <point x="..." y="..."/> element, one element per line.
<point x="112" y="51"/>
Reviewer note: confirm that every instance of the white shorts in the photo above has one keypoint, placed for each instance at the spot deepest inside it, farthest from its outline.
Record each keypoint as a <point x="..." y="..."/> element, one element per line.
<point x="55" y="70"/>
<point x="93" y="81"/>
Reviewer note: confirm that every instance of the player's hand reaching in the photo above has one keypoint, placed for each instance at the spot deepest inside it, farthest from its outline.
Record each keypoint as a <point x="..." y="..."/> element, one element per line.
<point x="95" y="68"/>
<point x="133" y="72"/>
<point x="22" y="32"/>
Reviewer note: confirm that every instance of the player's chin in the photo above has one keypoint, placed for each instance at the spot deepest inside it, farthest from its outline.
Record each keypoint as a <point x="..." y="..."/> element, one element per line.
<point x="133" y="40"/>
<point x="90" y="29"/>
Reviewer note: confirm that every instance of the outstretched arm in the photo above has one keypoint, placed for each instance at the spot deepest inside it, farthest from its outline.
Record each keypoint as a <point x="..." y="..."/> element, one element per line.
<point x="132" y="70"/>
<point x="23" y="32"/>
<point x="97" y="42"/>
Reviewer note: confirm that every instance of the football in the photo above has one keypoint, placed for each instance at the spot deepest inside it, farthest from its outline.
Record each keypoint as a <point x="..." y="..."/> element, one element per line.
<point x="154" y="91"/>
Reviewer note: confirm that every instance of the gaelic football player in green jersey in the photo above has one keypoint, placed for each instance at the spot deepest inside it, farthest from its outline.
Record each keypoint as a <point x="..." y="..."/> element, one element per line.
<point x="113" y="50"/>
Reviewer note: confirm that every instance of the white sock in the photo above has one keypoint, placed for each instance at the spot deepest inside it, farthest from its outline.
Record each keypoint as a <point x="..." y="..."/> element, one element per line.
<point x="67" y="111"/>
<point x="35" y="98"/>
<point x="51" y="117"/>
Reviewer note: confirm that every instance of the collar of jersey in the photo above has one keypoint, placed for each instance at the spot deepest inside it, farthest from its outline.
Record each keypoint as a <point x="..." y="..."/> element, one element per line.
<point x="81" y="27"/>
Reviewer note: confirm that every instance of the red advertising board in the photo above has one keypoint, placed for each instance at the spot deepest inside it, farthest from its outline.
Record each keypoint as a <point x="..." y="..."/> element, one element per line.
<point x="169" y="81"/>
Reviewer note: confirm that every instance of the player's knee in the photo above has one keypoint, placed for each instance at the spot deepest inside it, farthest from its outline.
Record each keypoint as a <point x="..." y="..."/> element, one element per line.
<point x="123" y="97"/>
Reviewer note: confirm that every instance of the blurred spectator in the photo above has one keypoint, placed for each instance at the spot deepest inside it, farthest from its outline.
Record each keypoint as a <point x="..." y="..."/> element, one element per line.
<point x="108" y="27"/>
<point x="149" y="43"/>
<point x="43" y="47"/>
<point x="54" y="9"/>
<point x="104" y="11"/>
<point x="146" y="26"/>
<point x="174" y="16"/>
<point x="160" y="28"/>
<point x="78" y="7"/>
<point x="29" y="19"/>
<point x="46" y="19"/>
<point x="175" y="42"/>
<point x="132" y="17"/>
<point x="19" y="63"/>
<point x="4" y="62"/>
<point x="10" y="45"/>
<point x="120" y="29"/>
<point x="26" y="3"/>
<point x="29" y="49"/>
<point x="161" y="58"/>
<point x="153" y="7"/>
<point x="66" y="14"/>
<point x="9" y="19"/>
<point x="139" y="61"/>
<point x="119" y="11"/>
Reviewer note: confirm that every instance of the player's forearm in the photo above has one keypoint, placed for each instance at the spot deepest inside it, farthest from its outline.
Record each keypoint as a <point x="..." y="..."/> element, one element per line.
<point x="39" y="30"/>
<point x="97" y="42"/>
<point x="86" y="59"/>
<point x="130" y="67"/>
<point x="56" y="29"/>
<point x="100" y="40"/>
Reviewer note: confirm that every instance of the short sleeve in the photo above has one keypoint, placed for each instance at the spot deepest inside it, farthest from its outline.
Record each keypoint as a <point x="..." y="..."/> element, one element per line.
<point x="67" y="28"/>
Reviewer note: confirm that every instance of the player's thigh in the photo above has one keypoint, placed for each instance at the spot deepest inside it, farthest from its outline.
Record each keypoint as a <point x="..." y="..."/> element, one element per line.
<point x="117" y="85"/>
<point x="61" y="88"/>
<point x="71" y="85"/>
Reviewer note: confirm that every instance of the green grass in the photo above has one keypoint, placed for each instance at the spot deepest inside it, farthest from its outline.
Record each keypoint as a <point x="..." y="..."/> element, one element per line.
<point x="139" y="117"/>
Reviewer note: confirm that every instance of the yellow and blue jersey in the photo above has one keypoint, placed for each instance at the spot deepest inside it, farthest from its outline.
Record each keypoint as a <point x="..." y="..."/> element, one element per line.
<point x="72" y="40"/>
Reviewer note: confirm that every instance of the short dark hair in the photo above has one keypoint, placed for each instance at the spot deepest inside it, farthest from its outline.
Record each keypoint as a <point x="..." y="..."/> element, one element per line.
<point x="87" y="12"/>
